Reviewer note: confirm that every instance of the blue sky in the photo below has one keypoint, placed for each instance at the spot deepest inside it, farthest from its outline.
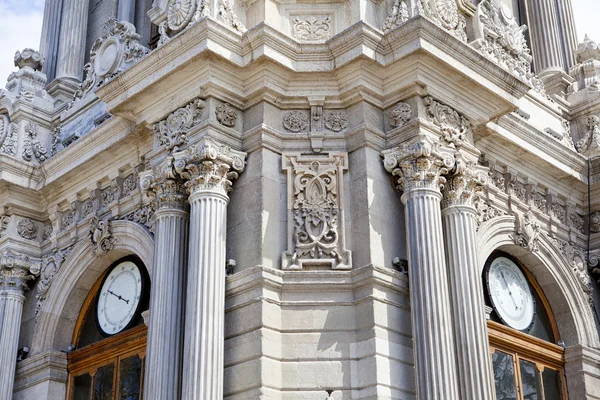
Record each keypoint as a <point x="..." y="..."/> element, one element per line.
<point x="21" y="26"/>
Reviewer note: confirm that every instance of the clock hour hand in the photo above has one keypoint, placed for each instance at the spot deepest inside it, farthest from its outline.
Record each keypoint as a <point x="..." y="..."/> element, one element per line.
<point x="509" y="291"/>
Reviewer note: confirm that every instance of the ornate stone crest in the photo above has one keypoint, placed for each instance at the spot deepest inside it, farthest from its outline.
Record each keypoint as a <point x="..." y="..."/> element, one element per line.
<point x="27" y="229"/>
<point x="226" y="115"/>
<point x="295" y="121"/>
<point x="454" y="127"/>
<point x="336" y="121"/>
<point x="590" y="144"/>
<point x="445" y="14"/>
<point x="312" y="28"/>
<point x="100" y="234"/>
<point x="315" y="211"/>
<point x="397" y="16"/>
<point x="400" y="115"/>
<point x="171" y="132"/>
<point x="528" y="231"/>
<point x="114" y="52"/>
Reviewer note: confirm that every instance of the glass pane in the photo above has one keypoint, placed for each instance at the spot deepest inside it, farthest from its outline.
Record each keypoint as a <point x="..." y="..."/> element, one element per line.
<point x="530" y="380"/>
<point x="103" y="382"/>
<point x="82" y="387"/>
<point x="130" y="381"/>
<point x="552" y="384"/>
<point x="504" y="375"/>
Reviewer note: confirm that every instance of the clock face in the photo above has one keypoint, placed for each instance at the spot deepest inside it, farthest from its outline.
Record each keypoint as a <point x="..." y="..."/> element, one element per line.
<point x="119" y="298"/>
<point x="510" y="294"/>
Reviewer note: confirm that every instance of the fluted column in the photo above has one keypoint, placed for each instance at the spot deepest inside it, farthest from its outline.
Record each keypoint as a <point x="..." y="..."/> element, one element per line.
<point x="568" y="33"/>
<point x="126" y="11"/>
<point x="164" y="360"/>
<point x="546" y="41"/>
<point x="466" y="289"/>
<point x="209" y="169"/>
<point x="71" y="47"/>
<point x="15" y="271"/>
<point x="419" y="168"/>
<point x="50" y="35"/>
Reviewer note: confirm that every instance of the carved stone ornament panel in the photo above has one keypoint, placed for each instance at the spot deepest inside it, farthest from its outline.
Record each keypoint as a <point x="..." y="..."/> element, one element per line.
<point x="316" y="211"/>
<point x="454" y="127"/>
<point x="295" y="121"/>
<point x="4" y="128"/>
<point x="486" y="211"/>
<point x="336" y="121"/>
<point x="180" y="15"/>
<point x="576" y="258"/>
<point x="50" y="266"/>
<point x="100" y="234"/>
<point x="4" y="220"/>
<point x="114" y="52"/>
<point x="9" y="144"/>
<point x="528" y="231"/>
<point x="32" y="146"/>
<point x="229" y="17"/>
<point x="27" y="229"/>
<point x="312" y="28"/>
<point x="171" y="132"/>
<point x="445" y="14"/>
<point x="400" y="115"/>
<point x="397" y="16"/>
<point x="226" y="115"/>
<point x="589" y="144"/>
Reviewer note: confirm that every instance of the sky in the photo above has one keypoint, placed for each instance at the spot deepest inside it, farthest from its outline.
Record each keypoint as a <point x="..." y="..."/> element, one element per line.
<point x="21" y="27"/>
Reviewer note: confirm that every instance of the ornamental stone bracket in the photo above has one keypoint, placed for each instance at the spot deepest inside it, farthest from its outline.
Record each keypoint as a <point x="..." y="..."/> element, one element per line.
<point x="16" y="270"/>
<point x="316" y="211"/>
<point x="589" y="144"/>
<point x="445" y="14"/>
<point x="101" y="236"/>
<point x="117" y="50"/>
<point x="528" y="230"/>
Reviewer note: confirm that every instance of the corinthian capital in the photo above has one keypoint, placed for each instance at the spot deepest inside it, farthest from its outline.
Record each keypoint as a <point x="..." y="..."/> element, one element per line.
<point x="209" y="166"/>
<point x="164" y="186"/>
<point x="419" y="165"/>
<point x="464" y="184"/>
<point x="16" y="270"/>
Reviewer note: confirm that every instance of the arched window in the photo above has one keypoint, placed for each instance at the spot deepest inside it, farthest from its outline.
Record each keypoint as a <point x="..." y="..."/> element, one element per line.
<point x="527" y="361"/>
<point x="107" y="362"/>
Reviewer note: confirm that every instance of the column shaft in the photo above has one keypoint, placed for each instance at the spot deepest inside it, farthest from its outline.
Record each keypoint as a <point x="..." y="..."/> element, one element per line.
<point x="435" y="356"/>
<point x="568" y="33"/>
<point x="11" y="304"/>
<point x="470" y="328"/>
<point x="205" y="300"/>
<point x="165" y="330"/>
<point x="126" y="11"/>
<point x="546" y="43"/>
<point x="50" y="36"/>
<point x="73" y="32"/>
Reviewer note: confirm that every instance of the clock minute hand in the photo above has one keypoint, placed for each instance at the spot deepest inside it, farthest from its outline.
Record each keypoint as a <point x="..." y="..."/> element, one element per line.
<point x="509" y="291"/>
<point x="118" y="297"/>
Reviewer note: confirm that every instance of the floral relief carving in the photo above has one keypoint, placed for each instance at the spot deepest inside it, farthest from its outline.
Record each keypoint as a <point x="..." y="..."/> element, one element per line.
<point x="27" y="229"/>
<point x="4" y="128"/>
<point x="397" y="16"/>
<point x="539" y="201"/>
<point x="4" y="220"/>
<point x="336" y="121"/>
<point x="576" y="260"/>
<point x="528" y="231"/>
<point x="594" y="222"/>
<point x="171" y="132"/>
<point x="559" y="211"/>
<point x="143" y="216"/>
<point x="48" y="230"/>
<point x="9" y="145"/>
<point x="50" y="266"/>
<point x="576" y="221"/>
<point x="68" y="219"/>
<point x="101" y="236"/>
<point x="312" y="28"/>
<point x="465" y="183"/>
<point x="226" y="115"/>
<point x="453" y="126"/>
<point x="16" y="269"/>
<point x="486" y="211"/>
<point x="400" y="115"/>
<point x="87" y="208"/>
<point x="229" y="17"/>
<point x="315" y="211"/>
<point x="295" y="121"/>
<point x="32" y="146"/>
<point x="445" y="14"/>
<point x="589" y="144"/>
<point x="130" y="184"/>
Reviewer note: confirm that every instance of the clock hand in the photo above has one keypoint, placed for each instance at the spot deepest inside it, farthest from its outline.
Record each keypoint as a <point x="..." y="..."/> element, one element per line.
<point x="509" y="291"/>
<point x="118" y="297"/>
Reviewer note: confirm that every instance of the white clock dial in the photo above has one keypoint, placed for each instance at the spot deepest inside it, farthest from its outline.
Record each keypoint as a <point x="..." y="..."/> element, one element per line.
<point x="119" y="298"/>
<point x="510" y="294"/>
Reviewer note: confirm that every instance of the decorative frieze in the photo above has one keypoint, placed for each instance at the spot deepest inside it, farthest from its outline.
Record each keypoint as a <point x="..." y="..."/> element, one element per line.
<point x="576" y="221"/>
<point x="315" y="211"/>
<point x="528" y="231"/>
<point x="400" y="115"/>
<point x="312" y="28"/>
<point x="32" y="146"/>
<point x="16" y="270"/>
<point x="559" y="211"/>
<point x="445" y="14"/>
<point x="397" y="16"/>
<point x="589" y="144"/>
<point x="295" y="121"/>
<point x="336" y="121"/>
<point x="576" y="257"/>
<point x="171" y="132"/>
<point x="87" y="208"/>
<point x="101" y="236"/>
<point x="453" y="126"/>
<point x="226" y="115"/>
<point x="27" y="229"/>
<point x="143" y="216"/>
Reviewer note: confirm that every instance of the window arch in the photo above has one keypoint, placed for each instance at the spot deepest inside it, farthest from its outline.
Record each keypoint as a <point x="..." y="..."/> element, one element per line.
<point x="528" y="363"/>
<point x="104" y="365"/>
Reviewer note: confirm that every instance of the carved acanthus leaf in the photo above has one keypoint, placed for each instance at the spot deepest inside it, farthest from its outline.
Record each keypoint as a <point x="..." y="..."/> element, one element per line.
<point x="464" y="185"/>
<point x="101" y="236"/>
<point x="16" y="270"/>
<point x="312" y="28"/>
<point x="171" y="132"/>
<point x="528" y="231"/>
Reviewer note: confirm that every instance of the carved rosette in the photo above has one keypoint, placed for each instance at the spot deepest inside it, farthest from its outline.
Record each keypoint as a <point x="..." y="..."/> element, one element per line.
<point x="16" y="270"/>
<point x="418" y="165"/>
<point x="336" y="121"/>
<point x="295" y="121"/>
<point x="101" y="236"/>
<point x="454" y="127"/>
<point x="315" y="211"/>
<point x="528" y="231"/>
<point x="164" y="186"/>
<point x="445" y="14"/>
<point x="171" y="132"/>
<point x="27" y="229"/>
<point x="464" y="185"/>
<point x="226" y="115"/>
<point x="209" y="166"/>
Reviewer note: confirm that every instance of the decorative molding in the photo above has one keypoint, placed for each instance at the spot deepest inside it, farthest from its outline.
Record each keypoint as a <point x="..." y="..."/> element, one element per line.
<point x="528" y="231"/>
<point x="100" y="234"/>
<point x="27" y="229"/>
<point x="419" y="165"/>
<point x="16" y="270"/>
<point x="50" y="266"/>
<point x="32" y="146"/>
<point x="397" y="16"/>
<point x="589" y="145"/>
<point x="336" y="121"/>
<point x="400" y="115"/>
<point x="445" y="14"/>
<point x="229" y="17"/>
<point x="315" y="211"/>
<point x="171" y="132"/>
<point x="295" y="121"/>
<point x="454" y="127"/>
<point x="312" y="28"/>
<point x="226" y="115"/>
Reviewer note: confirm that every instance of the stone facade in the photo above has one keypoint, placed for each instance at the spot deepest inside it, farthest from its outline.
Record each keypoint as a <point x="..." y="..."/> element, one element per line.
<point x="353" y="164"/>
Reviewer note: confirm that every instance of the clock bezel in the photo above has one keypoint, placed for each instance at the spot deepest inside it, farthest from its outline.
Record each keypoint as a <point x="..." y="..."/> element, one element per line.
<point x="143" y="294"/>
<point x="488" y="266"/>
